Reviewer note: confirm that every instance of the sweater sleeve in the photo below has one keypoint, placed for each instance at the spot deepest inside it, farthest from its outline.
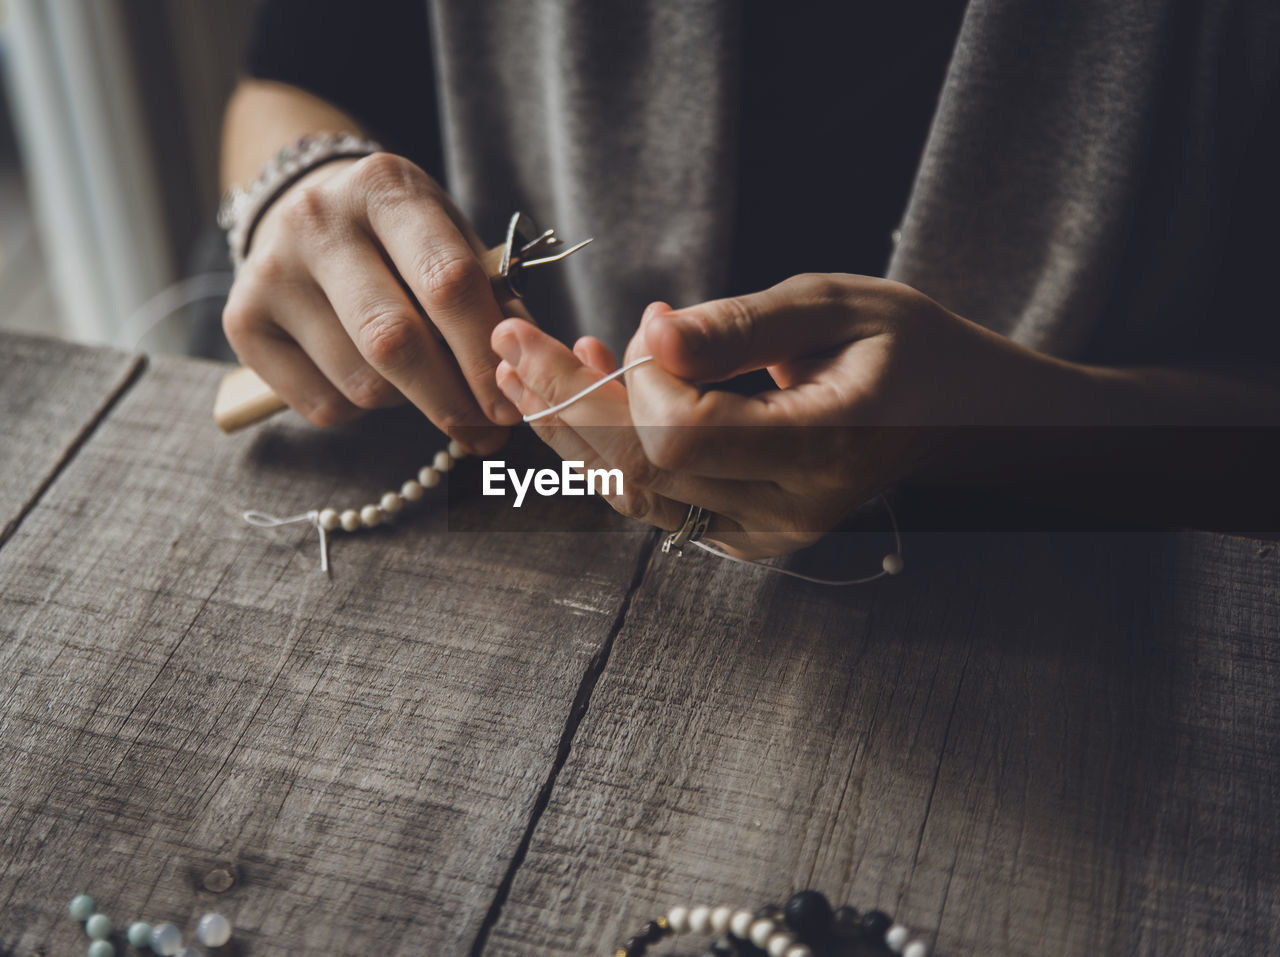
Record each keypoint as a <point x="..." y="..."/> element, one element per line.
<point x="372" y="61"/>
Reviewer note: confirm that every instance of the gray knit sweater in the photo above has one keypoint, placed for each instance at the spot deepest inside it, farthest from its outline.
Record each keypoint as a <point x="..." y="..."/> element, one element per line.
<point x="1078" y="190"/>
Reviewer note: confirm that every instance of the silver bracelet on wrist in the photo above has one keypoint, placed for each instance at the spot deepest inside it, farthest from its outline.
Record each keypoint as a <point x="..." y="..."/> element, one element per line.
<point x="242" y="208"/>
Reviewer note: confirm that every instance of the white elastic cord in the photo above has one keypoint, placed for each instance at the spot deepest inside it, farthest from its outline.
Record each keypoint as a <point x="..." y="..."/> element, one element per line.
<point x="263" y="520"/>
<point x="883" y="573"/>
<point x="560" y="407"/>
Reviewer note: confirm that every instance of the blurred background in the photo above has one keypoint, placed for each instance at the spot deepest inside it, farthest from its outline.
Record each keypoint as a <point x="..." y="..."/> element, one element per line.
<point x="109" y="132"/>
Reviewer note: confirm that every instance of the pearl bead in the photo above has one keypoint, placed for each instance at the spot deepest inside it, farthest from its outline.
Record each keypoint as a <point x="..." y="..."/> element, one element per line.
<point x="99" y="927"/>
<point x="350" y="520"/>
<point x="82" y="907"/>
<point x="139" y="933"/>
<point x="329" y="520"/>
<point x="412" y="491"/>
<point x="456" y="451"/>
<point x="740" y="924"/>
<point x="892" y="564"/>
<point x="916" y="949"/>
<point x="700" y="920"/>
<point x="799" y="950"/>
<point x="166" y="940"/>
<point x="391" y="503"/>
<point x="102" y="948"/>
<point x="761" y="931"/>
<point x="370" y="516"/>
<point x="443" y="461"/>
<point x="895" y="938"/>
<point x="778" y="944"/>
<point x="678" y="918"/>
<point x="720" y="918"/>
<point x="428" y="477"/>
<point x="214" y="930"/>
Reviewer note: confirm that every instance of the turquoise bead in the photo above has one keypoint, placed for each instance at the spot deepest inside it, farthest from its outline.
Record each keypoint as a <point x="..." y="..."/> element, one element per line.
<point x="99" y="926"/>
<point x="102" y="948"/>
<point x="82" y="907"/>
<point x="139" y="933"/>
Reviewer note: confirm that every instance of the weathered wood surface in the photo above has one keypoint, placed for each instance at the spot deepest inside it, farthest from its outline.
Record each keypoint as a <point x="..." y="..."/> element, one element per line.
<point x="180" y="692"/>
<point x="51" y="394"/>
<point x="1045" y="744"/>
<point x="1033" y="745"/>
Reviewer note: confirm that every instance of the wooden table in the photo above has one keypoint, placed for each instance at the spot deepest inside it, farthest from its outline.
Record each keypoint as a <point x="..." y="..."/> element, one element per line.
<point x="505" y="742"/>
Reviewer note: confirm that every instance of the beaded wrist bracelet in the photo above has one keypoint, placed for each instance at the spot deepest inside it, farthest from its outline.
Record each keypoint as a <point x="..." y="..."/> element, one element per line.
<point x="805" y="927"/>
<point x="242" y="209"/>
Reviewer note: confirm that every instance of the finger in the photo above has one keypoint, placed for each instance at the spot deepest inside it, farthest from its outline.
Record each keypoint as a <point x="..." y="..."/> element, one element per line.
<point x="294" y="377"/>
<point x="443" y="272"/>
<point x="632" y="500"/>
<point x="804" y="315"/>
<point x="308" y="318"/>
<point x="393" y="337"/>
<point x="595" y="355"/>
<point x="544" y="373"/>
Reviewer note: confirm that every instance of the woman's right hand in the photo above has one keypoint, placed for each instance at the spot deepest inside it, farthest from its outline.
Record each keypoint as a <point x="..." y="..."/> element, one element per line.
<point x="363" y="287"/>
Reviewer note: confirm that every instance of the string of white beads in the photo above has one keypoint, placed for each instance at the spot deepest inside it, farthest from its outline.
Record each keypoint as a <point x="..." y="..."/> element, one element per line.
<point x="392" y="503"/>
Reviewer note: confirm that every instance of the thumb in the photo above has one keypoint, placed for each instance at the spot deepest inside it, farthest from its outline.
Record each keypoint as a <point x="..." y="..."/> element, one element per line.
<point x="722" y="338"/>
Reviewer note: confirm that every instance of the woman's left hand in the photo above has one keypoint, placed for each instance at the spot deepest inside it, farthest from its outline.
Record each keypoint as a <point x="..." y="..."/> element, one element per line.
<point x="872" y="376"/>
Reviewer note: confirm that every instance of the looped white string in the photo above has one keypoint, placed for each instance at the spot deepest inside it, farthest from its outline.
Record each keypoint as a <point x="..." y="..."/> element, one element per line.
<point x="265" y="520"/>
<point x="561" y="406"/>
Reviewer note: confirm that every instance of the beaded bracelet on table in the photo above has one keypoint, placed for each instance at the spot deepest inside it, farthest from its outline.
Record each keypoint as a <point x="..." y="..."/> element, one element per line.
<point x="805" y="927"/>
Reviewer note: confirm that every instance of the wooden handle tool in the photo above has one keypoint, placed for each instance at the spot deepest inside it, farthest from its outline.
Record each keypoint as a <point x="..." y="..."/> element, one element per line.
<point x="243" y="398"/>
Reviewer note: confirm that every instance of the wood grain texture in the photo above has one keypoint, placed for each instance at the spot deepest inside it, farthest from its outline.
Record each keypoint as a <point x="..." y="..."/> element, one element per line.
<point x="51" y="393"/>
<point x="1025" y="745"/>
<point x="181" y="692"/>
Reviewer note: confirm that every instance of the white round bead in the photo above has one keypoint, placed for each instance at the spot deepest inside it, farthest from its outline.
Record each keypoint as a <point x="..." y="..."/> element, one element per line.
<point x="443" y="461"/>
<point x="370" y="516"/>
<point x="892" y="564"/>
<point x="778" y="944"/>
<point x="328" y="519"/>
<point x="799" y="950"/>
<point x="916" y="949"/>
<point x="740" y="923"/>
<point x="214" y="930"/>
<point x="350" y="520"/>
<point x="678" y="918"/>
<point x="391" y="503"/>
<point x="456" y="451"/>
<point x="700" y="920"/>
<point x="412" y="491"/>
<point x="761" y="931"/>
<point x="720" y="918"/>
<point x="428" y="477"/>
<point x="895" y="938"/>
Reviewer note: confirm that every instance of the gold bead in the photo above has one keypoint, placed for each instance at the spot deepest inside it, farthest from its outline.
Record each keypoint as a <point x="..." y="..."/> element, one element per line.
<point x="663" y="922"/>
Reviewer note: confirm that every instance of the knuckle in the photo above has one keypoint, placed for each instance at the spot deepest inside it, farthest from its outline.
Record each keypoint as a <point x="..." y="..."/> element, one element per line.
<point x="266" y="268"/>
<point x="388" y="338"/>
<point x="384" y="173"/>
<point x="305" y="208"/>
<point x="817" y="287"/>
<point x="366" y="391"/>
<point x="447" y="276"/>
<point x="240" y="322"/>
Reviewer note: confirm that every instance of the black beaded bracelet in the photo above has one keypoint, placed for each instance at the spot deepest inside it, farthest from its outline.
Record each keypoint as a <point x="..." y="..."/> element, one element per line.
<point x="806" y="926"/>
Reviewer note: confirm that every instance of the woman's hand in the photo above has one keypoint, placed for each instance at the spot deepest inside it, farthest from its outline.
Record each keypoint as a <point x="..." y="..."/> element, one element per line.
<point x="871" y="377"/>
<point x="363" y="287"/>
